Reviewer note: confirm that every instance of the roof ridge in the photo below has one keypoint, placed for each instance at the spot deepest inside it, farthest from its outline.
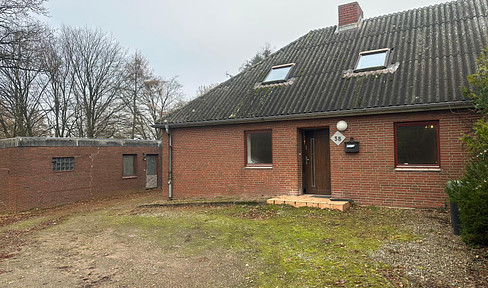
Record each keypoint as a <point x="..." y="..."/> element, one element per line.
<point x="416" y="9"/>
<point x="389" y="31"/>
<point x="405" y="12"/>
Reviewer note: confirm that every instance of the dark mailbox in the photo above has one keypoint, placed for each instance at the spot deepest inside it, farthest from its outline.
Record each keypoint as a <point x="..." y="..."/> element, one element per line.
<point x="351" y="146"/>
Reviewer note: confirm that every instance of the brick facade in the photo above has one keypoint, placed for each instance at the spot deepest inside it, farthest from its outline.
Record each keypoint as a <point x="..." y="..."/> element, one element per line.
<point x="27" y="179"/>
<point x="209" y="161"/>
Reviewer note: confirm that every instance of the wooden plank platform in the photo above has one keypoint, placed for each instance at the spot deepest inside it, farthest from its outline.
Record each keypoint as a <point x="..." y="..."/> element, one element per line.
<point x="310" y="201"/>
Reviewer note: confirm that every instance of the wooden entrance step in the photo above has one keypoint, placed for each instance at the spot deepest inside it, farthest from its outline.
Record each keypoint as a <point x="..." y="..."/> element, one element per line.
<point x="310" y="201"/>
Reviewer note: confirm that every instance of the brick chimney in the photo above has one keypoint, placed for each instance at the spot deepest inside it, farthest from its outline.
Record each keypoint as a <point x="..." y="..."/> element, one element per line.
<point x="350" y="16"/>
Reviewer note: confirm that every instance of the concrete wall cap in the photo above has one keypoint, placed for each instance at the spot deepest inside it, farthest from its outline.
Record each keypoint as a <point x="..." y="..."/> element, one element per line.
<point x="74" y="142"/>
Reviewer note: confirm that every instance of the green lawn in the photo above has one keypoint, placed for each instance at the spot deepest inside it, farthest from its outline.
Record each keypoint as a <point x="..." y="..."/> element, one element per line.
<point x="285" y="246"/>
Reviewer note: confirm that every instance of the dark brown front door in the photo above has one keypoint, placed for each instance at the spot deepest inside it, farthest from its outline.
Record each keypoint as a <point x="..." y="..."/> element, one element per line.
<point x="316" y="162"/>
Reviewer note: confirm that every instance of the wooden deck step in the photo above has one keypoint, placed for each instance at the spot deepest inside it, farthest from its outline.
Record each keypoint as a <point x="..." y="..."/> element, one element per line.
<point x="310" y="201"/>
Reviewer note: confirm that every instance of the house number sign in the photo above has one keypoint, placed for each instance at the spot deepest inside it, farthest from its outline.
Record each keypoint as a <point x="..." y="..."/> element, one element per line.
<point x="337" y="138"/>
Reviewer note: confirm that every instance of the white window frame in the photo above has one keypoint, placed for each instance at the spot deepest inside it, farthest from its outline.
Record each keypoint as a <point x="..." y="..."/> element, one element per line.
<point x="387" y="52"/>
<point x="277" y="67"/>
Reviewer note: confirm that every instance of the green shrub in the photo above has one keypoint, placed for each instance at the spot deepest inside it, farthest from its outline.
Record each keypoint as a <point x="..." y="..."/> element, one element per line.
<point x="471" y="194"/>
<point x="472" y="199"/>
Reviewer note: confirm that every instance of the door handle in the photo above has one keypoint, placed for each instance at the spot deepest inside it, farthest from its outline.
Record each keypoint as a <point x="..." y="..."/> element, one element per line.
<point x="306" y="160"/>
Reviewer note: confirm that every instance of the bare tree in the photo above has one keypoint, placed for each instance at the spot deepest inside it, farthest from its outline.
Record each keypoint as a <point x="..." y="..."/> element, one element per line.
<point x="146" y="98"/>
<point x="20" y="77"/>
<point x="17" y="25"/>
<point x="6" y="121"/>
<point x="59" y="97"/>
<point x="260" y="56"/>
<point x="203" y="89"/>
<point x="136" y="75"/>
<point x="81" y="86"/>
<point x="96" y="61"/>
<point x="162" y="96"/>
<point x="22" y="86"/>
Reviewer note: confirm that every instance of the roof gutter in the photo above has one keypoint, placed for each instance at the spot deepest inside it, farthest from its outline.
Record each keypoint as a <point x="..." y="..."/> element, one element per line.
<point x="331" y="114"/>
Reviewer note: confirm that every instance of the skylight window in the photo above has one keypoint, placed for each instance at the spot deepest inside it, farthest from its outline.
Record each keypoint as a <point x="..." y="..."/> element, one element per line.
<point x="278" y="73"/>
<point x="372" y="60"/>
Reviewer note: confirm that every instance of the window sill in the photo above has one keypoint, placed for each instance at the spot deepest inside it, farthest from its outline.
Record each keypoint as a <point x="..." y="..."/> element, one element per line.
<point x="129" y="177"/>
<point x="419" y="169"/>
<point x="259" y="167"/>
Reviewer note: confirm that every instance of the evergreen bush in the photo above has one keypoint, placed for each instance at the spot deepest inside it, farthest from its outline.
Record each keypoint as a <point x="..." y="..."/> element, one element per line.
<point x="471" y="192"/>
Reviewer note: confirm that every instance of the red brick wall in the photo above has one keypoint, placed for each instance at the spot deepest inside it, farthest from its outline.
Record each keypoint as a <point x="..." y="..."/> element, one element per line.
<point x="4" y="189"/>
<point x="6" y="199"/>
<point x="349" y="13"/>
<point x="209" y="161"/>
<point x="97" y="173"/>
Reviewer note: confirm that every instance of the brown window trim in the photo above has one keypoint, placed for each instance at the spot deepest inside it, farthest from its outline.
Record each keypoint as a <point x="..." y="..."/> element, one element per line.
<point x="257" y="165"/>
<point x="417" y="167"/>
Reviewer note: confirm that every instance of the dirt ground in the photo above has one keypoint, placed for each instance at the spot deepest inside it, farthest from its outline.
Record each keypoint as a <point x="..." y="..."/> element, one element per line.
<point x="37" y="254"/>
<point x="69" y="247"/>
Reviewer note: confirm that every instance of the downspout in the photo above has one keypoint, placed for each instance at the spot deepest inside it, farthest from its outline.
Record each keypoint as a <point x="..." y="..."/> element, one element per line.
<point x="170" y="163"/>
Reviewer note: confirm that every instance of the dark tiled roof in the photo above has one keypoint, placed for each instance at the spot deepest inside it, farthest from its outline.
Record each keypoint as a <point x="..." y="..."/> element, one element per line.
<point x="436" y="48"/>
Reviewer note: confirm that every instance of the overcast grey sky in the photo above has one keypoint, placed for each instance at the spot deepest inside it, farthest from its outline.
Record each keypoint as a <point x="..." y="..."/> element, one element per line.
<point x="199" y="41"/>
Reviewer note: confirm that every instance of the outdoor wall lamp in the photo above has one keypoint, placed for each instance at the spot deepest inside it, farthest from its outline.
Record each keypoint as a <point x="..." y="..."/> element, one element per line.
<point x="341" y="125"/>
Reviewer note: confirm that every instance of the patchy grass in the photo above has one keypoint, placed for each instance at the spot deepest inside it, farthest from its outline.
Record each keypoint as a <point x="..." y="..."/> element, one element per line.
<point x="284" y="246"/>
<point x="141" y="241"/>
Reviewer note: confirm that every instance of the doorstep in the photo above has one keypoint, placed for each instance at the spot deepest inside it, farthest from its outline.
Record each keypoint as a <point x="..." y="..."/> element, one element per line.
<point x="310" y="201"/>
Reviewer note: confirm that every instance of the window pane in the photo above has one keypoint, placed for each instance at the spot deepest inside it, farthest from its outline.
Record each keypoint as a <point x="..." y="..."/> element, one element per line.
<point x="417" y="144"/>
<point x="151" y="165"/>
<point x="129" y="165"/>
<point x="63" y="163"/>
<point x="374" y="60"/>
<point x="277" y="74"/>
<point x="259" y="148"/>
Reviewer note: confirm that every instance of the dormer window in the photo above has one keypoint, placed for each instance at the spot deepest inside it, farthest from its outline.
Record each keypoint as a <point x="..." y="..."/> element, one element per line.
<point x="278" y="73"/>
<point x="372" y="60"/>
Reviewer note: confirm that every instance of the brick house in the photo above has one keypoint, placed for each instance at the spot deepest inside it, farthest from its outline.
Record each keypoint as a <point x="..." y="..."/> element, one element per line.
<point x="368" y="110"/>
<point x="42" y="172"/>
